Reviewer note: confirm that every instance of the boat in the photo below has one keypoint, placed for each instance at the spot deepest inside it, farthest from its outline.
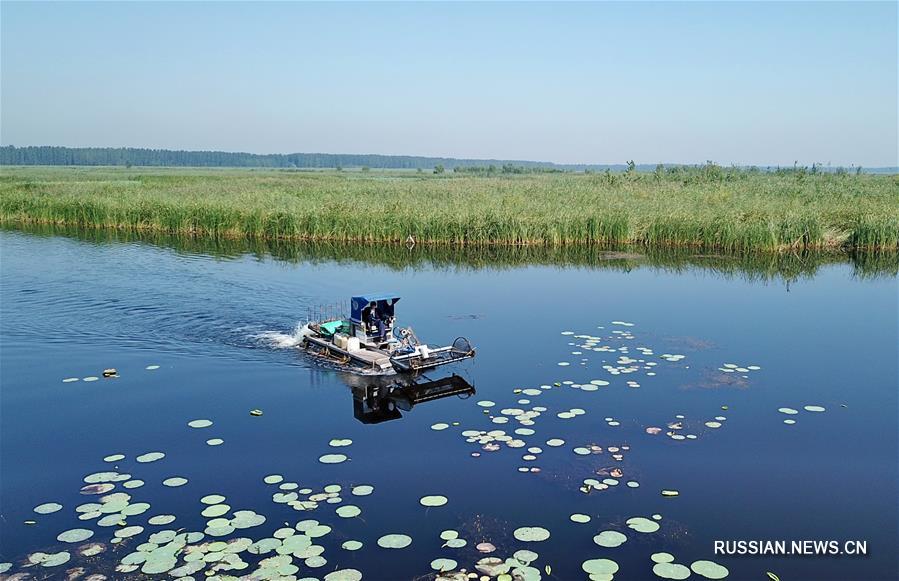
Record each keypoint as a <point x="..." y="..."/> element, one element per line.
<point x="368" y="341"/>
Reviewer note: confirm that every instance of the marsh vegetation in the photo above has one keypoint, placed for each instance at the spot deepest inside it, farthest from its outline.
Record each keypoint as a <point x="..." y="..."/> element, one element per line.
<point x="707" y="207"/>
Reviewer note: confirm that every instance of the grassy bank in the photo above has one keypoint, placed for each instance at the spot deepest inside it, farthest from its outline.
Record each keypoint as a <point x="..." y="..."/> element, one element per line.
<point x="707" y="207"/>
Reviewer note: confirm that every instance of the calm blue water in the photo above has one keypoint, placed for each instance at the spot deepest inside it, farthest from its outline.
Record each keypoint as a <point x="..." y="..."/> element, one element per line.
<point x="217" y="328"/>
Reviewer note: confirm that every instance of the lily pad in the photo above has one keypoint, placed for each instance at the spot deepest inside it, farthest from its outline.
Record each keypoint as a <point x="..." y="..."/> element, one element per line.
<point x="394" y="541"/>
<point x="75" y="535"/>
<point x="273" y="479"/>
<point x="332" y="458"/>
<point x="340" y="443"/>
<point x="150" y="457"/>
<point x="127" y="532"/>
<point x="662" y="557"/>
<point x="531" y="534"/>
<point x="351" y="545"/>
<point x="213" y="499"/>
<point x="435" y="500"/>
<point x="443" y="564"/>
<point x="709" y="569"/>
<point x="814" y="408"/>
<point x="362" y="490"/>
<point x="600" y="567"/>
<point x="215" y="510"/>
<point x="642" y="525"/>
<point x="671" y="571"/>
<point x="161" y="519"/>
<point x="114" y="458"/>
<point x="215" y="442"/>
<point x="56" y="559"/>
<point x="439" y="426"/>
<point x="610" y="539"/>
<point x="199" y="423"/>
<point x="174" y="481"/>
<point x="48" y="508"/>
<point x="580" y="518"/>
<point x="348" y="511"/>
<point x="344" y="575"/>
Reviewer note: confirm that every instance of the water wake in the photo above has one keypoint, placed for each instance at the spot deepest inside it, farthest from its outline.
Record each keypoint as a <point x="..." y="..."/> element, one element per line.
<point x="279" y="340"/>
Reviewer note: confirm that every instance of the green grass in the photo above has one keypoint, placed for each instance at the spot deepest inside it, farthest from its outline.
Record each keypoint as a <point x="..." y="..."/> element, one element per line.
<point x="728" y="210"/>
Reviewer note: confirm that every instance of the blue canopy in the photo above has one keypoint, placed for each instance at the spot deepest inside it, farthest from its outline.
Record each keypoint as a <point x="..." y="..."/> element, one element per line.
<point x="383" y="301"/>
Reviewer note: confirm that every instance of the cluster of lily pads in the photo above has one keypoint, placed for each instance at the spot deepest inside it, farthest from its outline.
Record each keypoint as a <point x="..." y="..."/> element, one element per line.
<point x="281" y="553"/>
<point x="817" y="409"/>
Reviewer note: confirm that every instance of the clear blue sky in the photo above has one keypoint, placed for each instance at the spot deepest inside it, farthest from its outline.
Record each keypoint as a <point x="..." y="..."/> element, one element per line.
<point x="747" y="83"/>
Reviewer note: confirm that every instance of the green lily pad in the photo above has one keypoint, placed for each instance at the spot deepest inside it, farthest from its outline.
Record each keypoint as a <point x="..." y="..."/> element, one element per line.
<point x="114" y="458"/>
<point x="788" y="411"/>
<point x="531" y="534"/>
<point x="344" y="575"/>
<point x="579" y="518"/>
<point x="135" y="509"/>
<point x="351" y="545"/>
<point x="273" y="479"/>
<point x="213" y="499"/>
<point x="133" y="484"/>
<point x="161" y="519"/>
<point x="435" y="500"/>
<point x="75" y="535"/>
<point x="439" y="426"/>
<point x="215" y="442"/>
<point x="671" y="571"/>
<point x="245" y="519"/>
<point x="662" y="557"/>
<point x="150" y="457"/>
<point x="127" y="532"/>
<point x="215" y="510"/>
<point x="332" y="458"/>
<point x="709" y="569"/>
<point x="159" y="564"/>
<point x="443" y="565"/>
<point x="348" y="511"/>
<point x="56" y="559"/>
<point x="642" y="525"/>
<point x="340" y="443"/>
<point x="600" y="567"/>
<point x="174" y="481"/>
<point x="814" y="408"/>
<point x="555" y="442"/>
<point x="394" y="541"/>
<point x="456" y="543"/>
<point x="610" y="539"/>
<point x="199" y="423"/>
<point x="48" y="508"/>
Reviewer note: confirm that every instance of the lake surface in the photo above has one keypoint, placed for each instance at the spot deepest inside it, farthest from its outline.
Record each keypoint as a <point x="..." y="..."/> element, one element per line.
<point x="221" y="328"/>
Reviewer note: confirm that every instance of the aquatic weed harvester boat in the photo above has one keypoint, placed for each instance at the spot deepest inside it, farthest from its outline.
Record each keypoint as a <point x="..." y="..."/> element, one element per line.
<point x="368" y="341"/>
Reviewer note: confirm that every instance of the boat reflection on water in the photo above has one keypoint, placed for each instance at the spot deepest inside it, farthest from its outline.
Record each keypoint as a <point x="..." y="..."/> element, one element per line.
<point x="381" y="399"/>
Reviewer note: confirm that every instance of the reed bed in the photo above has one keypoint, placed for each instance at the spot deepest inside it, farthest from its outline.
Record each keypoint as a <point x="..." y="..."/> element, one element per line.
<point x="731" y="211"/>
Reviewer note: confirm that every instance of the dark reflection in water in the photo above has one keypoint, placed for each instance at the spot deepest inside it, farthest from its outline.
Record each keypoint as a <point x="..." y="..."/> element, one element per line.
<point x="378" y="399"/>
<point x="785" y="266"/>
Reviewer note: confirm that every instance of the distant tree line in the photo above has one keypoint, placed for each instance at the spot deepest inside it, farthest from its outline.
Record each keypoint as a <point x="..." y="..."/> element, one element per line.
<point x="129" y="156"/>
